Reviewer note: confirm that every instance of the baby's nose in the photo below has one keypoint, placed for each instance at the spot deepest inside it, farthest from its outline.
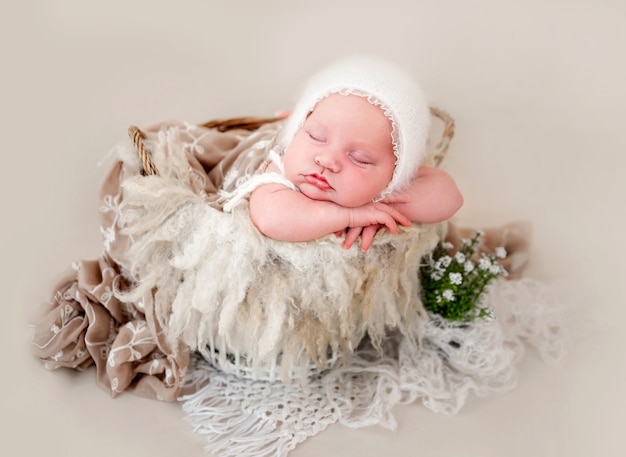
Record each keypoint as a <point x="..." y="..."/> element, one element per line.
<point x="328" y="161"/>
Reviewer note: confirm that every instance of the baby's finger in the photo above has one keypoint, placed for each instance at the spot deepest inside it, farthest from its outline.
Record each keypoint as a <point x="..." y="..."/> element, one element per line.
<point x="388" y="221"/>
<point x="395" y="214"/>
<point x="367" y="236"/>
<point x="351" y="235"/>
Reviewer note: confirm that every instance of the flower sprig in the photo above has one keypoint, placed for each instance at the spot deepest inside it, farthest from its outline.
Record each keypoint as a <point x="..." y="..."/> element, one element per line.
<point x="453" y="283"/>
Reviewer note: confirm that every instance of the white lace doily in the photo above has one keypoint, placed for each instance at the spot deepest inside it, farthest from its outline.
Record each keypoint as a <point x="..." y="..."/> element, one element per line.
<point x="242" y="417"/>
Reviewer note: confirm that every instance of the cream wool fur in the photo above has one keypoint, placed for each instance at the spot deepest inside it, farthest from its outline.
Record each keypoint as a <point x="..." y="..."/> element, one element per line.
<point x="253" y="305"/>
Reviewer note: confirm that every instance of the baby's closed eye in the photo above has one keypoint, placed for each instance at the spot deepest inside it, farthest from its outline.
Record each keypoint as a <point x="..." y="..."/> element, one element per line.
<point x="359" y="159"/>
<point x="316" y="136"/>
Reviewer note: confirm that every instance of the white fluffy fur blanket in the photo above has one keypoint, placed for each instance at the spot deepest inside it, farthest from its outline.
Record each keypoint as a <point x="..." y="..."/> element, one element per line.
<point x="253" y="305"/>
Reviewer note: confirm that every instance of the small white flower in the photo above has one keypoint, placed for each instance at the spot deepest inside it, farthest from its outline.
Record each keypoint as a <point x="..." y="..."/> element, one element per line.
<point x="447" y="245"/>
<point x="134" y="354"/>
<point x="448" y="294"/>
<point x="438" y="299"/>
<point x="436" y="275"/>
<point x="468" y="266"/>
<point x="445" y="260"/>
<point x="109" y="236"/>
<point x="459" y="257"/>
<point x="500" y="252"/>
<point x="112" y="204"/>
<point x="456" y="278"/>
<point x="484" y="263"/>
<point x="494" y="269"/>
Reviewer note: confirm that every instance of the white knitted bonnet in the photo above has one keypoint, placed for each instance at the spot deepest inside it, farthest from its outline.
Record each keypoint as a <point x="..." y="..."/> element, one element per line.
<point x="384" y="85"/>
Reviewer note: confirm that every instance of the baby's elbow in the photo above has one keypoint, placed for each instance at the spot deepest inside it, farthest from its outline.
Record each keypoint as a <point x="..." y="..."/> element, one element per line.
<point x="259" y="216"/>
<point x="451" y="203"/>
<point x="269" y="212"/>
<point x="457" y="202"/>
<point x="263" y="222"/>
<point x="450" y="198"/>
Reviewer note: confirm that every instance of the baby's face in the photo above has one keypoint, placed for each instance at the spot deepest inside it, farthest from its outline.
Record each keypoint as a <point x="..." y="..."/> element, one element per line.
<point x="343" y="153"/>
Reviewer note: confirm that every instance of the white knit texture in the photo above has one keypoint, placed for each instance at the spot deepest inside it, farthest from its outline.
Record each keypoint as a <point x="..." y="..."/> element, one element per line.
<point x="385" y="85"/>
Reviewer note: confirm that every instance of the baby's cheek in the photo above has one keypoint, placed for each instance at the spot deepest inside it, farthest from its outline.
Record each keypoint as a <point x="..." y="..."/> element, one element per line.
<point x="288" y="160"/>
<point x="289" y="168"/>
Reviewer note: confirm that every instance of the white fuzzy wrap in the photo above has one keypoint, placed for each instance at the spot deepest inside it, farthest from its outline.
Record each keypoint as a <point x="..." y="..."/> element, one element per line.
<point x="252" y="305"/>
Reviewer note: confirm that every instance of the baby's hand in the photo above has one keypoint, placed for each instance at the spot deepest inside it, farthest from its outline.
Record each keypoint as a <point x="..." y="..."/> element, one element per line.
<point x="367" y="236"/>
<point x="377" y="213"/>
<point x="366" y="220"/>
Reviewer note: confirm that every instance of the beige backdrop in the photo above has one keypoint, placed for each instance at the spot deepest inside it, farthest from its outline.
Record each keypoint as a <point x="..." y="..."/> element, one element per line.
<point x="536" y="88"/>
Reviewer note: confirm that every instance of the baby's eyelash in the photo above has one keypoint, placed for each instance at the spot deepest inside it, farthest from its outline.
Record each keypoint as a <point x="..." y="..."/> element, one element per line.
<point x="357" y="160"/>
<point x="314" y="137"/>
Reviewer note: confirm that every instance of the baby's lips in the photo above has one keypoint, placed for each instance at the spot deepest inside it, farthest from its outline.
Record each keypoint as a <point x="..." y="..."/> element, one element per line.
<point x="318" y="181"/>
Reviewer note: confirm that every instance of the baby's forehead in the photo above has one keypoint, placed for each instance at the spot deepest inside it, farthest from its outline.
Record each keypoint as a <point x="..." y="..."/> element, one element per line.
<point x="362" y="106"/>
<point x="353" y="119"/>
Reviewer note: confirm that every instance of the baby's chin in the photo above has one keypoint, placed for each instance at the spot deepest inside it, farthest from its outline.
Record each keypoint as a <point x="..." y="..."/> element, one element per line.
<point x="314" y="193"/>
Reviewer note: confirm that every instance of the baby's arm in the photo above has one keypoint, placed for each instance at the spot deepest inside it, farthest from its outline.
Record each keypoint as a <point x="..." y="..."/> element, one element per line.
<point x="285" y="214"/>
<point x="431" y="196"/>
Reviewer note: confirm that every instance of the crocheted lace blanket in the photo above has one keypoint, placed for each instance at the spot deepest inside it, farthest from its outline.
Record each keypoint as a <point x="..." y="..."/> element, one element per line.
<point x="242" y="417"/>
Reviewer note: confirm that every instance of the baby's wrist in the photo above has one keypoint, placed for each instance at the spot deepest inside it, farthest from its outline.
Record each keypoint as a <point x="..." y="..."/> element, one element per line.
<point x="350" y="217"/>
